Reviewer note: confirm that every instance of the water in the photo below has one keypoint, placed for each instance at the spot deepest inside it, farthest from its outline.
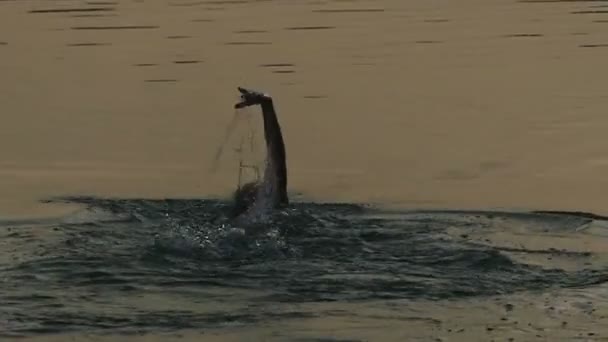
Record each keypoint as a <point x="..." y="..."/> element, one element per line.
<point x="143" y="266"/>
<point x="131" y="98"/>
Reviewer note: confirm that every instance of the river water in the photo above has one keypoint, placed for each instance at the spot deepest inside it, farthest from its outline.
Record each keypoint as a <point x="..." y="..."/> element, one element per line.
<point x="150" y="266"/>
<point x="426" y="141"/>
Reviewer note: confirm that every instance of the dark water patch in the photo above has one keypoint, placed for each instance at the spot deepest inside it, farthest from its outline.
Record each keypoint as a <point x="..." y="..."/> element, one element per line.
<point x="523" y="35"/>
<point x="491" y="165"/>
<point x="315" y="96"/>
<point x="428" y="41"/>
<point x="87" y="44"/>
<point x="550" y="251"/>
<point x="73" y="10"/>
<point x="161" y="80"/>
<point x="116" y="253"/>
<point x="145" y="64"/>
<point x="178" y="37"/>
<point x="304" y="28"/>
<point x="436" y="20"/>
<point x="580" y="214"/>
<point x="455" y="174"/>
<point x="593" y="45"/>
<point x="351" y="10"/>
<point x="601" y="21"/>
<point x="126" y="27"/>
<point x="283" y="71"/>
<point x="139" y="322"/>
<point x="3" y="43"/>
<point x="275" y="65"/>
<point x="193" y="61"/>
<point x="248" y="43"/>
<point x="590" y="12"/>
<point x="202" y="20"/>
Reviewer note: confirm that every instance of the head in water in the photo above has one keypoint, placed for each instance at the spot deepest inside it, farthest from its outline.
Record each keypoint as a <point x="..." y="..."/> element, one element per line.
<point x="244" y="197"/>
<point x="251" y="98"/>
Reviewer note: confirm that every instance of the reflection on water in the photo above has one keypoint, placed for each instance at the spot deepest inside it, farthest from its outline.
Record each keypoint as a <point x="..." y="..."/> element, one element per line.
<point x="155" y="265"/>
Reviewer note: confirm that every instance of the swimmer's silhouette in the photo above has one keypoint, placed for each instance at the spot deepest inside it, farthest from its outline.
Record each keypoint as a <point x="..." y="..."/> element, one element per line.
<point x="255" y="200"/>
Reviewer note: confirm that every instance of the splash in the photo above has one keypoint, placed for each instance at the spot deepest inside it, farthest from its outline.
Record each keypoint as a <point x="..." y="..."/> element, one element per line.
<point x="126" y="251"/>
<point x="246" y="147"/>
<point x="220" y="241"/>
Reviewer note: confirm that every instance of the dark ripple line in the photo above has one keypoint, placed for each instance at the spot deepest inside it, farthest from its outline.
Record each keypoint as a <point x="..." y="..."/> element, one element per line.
<point x="273" y="65"/>
<point x="248" y="43"/>
<point x="187" y="62"/>
<point x="354" y="10"/>
<point x="48" y="322"/>
<point x="161" y="80"/>
<point x="590" y="12"/>
<point x="73" y="10"/>
<point x="300" y="28"/>
<point x="127" y="27"/>
<point x="87" y="44"/>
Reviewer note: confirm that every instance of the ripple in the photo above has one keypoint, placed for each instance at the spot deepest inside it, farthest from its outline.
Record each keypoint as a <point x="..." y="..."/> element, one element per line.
<point x="119" y="250"/>
<point x="125" y="27"/>
<point x="73" y="10"/>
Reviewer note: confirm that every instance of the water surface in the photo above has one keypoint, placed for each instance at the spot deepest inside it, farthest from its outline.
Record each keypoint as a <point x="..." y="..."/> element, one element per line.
<point x="125" y="266"/>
